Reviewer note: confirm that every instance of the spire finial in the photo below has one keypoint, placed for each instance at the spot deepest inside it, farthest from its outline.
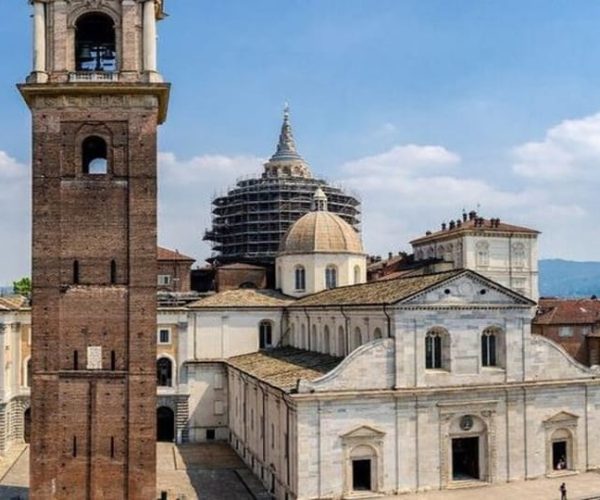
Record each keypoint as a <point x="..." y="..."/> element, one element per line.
<point x="287" y="145"/>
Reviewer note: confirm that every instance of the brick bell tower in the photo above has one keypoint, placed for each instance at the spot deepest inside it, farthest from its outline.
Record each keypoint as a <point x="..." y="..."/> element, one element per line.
<point x="96" y="100"/>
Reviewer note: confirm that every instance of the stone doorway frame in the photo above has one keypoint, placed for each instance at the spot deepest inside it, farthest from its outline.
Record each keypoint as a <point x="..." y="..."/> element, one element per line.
<point x="449" y="413"/>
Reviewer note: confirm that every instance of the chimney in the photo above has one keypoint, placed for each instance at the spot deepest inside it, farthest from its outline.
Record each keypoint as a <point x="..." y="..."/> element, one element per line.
<point x="451" y="224"/>
<point x="390" y="255"/>
<point x="428" y="233"/>
<point x="472" y="214"/>
<point x="443" y="226"/>
<point x="458" y="223"/>
<point x="464" y="216"/>
<point x="497" y="222"/>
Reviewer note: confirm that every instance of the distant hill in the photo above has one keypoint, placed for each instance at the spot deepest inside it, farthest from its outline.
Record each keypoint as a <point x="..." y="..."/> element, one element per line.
<point x="6" y="290"/>
<point x="566" y="278"/>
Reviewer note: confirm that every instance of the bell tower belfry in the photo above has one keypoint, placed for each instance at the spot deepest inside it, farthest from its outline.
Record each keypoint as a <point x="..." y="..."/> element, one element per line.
<point x="96" y="99"/>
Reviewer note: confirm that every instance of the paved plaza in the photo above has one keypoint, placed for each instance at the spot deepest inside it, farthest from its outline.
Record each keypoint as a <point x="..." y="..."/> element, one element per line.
<point x="189" y="472"/>
<point x="214" y="472"/>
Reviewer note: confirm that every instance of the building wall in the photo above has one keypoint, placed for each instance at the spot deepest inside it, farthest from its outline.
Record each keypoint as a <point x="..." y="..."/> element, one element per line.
<point x="179" y="273"/>
<point x="503" y="263"/>
<point x="219" y="334"/>
<point x="348" y="328"/>
<point x="315" y="265"/>
<point x="411" y="436"/>
<point x="263" y="431"/>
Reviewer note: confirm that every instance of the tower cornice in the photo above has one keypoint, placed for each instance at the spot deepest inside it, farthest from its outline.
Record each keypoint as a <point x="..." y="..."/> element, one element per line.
<point x="31" y="91"/>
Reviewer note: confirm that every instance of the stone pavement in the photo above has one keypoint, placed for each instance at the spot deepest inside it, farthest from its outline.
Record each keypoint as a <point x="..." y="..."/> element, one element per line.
<point x="210" y="471"/>
<point x="585" y="486"/>
<point x="207" y="471"/>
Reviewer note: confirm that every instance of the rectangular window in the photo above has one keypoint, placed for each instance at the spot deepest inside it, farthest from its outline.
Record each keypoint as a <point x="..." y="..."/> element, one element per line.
<point x="210" y="434"/>
<point x="218" y="381"/>
<point x="219" y="410"/>
<point x="565" y="331"/>
<point x="164" y="336"/>
<point x="164" y="279"/>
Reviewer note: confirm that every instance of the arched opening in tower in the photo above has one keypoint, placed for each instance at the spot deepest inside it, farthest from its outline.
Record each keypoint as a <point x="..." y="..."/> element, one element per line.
<point x="95" y="43"/>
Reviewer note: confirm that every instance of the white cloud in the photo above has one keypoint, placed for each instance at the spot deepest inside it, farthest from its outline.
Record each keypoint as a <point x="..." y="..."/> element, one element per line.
<point x="570" y="151"/>
<point x="15" y="228"/>
<point x="410" y="189"/>
<point x="187" y="187"/>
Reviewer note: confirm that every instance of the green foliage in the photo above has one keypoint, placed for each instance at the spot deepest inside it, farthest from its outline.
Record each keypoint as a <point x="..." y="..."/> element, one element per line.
<point x="22" y="286"/>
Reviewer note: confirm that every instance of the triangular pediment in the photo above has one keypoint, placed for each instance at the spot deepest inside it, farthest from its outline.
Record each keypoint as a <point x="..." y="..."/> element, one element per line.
<point x="468" y="288"/>
<point x="561" y="417"/>
<point x="363" y="432"/>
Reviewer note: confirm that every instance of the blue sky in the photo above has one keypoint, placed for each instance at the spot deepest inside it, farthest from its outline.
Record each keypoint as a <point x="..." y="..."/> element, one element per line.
<point x="423" y="107"/>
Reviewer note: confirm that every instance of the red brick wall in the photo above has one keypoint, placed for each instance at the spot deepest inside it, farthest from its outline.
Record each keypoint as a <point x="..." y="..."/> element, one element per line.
<point x="94" y="219"/>
<point x="180" y="272"/>
<point x="576" y="344"/>
<point x="232" y="279"/>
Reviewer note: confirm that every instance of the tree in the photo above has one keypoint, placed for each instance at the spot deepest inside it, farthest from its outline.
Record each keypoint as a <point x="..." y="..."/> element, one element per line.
<point x="22" y="286"/>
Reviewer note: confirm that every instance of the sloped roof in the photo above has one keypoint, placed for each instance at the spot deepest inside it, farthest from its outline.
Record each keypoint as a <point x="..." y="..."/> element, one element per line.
<point x="13" y="302"/>
<point x="476" y="225"/>
<point x="567" y="311"/>
<point x="377" y="292"/>
<point x="166" y="254"/>
<point x="243" y="298"/>
<point x="282" y="367"/>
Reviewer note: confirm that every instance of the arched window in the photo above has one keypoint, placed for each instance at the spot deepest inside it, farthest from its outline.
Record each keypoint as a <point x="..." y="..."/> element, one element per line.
<point x="313" y="339"/>
<point x="330" y="277"/>
<point x="488" y="347"/>
<point x="377" y="333"/>
<point x="341" y="341"/>
<point x="437" y="348"/>
<point x="326" y="340"/>
<point x="95" y="43"/>
<point x="164" y="372"/>
<point x="357" y="338"/>
<point x="300" y="278"/>
<point x="265" y="334"/>
<point x="440" y="252"/>
<point x="303" y="340"/>
<point x="492" y="347"/>
<point x="357" y="274"/>
<point x="94" y="156"/>
<point x="483" y="253"/>
<point x="292" y="341"/>
<point x="449" y="254"/>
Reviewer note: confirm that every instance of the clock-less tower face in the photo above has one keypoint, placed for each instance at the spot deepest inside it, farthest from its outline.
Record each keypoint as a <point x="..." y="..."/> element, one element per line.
<point x="96" y="99"/>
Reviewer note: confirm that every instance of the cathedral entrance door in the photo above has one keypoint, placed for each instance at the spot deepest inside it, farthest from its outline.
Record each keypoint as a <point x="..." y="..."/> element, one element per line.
<point x="465" y="458"/>
<point x="165" y="424"/>
<point x="559" y="455"/>
<point x="361" y="475"/>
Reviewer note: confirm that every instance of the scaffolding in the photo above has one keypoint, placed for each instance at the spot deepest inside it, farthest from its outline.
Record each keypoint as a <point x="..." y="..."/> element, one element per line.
<point x="251" y="219"/>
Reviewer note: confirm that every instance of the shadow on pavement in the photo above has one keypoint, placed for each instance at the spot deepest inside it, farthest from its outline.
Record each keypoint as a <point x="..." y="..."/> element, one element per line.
<point x="14" y="493"/>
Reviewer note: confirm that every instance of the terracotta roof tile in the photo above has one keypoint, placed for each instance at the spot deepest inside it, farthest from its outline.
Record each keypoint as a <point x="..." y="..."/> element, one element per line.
<point x="567" y="311"/>
<point x="166" y="254"/>
<point x="244" y="298"/>
<point x="282" y="367"/>
<point x="13" y="302"/>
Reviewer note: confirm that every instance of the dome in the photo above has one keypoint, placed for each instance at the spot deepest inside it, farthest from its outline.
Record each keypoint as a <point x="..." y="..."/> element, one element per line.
<point x="320" y="231"/>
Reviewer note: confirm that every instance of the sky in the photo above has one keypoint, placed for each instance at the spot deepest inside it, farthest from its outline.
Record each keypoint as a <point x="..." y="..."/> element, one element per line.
<point x="421" y="107"/>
